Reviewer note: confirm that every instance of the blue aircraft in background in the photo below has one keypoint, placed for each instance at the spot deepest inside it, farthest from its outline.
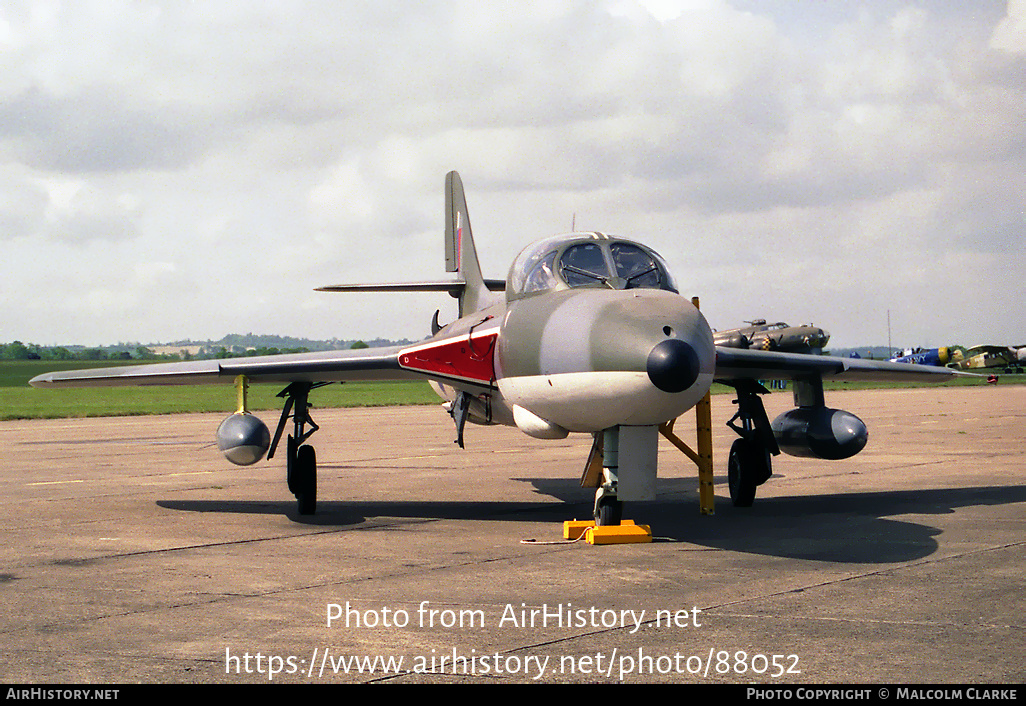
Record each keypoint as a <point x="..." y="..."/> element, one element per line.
<point x="924" y="356"/>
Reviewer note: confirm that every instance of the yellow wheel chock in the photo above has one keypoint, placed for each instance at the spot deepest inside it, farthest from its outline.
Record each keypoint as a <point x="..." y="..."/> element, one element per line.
<point x="624" y="533"/>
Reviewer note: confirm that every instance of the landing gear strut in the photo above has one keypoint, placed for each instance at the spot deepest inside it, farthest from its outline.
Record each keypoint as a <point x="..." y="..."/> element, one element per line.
<point x="608" y="507"/>
<point x="749" y="464"/>
<point x="301" y="459"/>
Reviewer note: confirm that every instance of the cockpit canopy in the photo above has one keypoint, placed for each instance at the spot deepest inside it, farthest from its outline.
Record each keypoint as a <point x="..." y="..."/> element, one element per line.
<point x="577" y="260"/>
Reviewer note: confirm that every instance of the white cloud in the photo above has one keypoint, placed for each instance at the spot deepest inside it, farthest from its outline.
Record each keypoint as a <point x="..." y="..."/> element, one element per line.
<point x="1010" y="34"/>
<point x="255" y="152"/>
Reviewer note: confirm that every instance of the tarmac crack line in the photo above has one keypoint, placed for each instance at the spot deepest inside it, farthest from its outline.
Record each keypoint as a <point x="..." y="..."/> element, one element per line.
<point x="707" y="609"/>
<point x="225" y="597"/>
<point x="866" y="574"/>
<point x="293" y="589"/>
<point x="881" y="621"/>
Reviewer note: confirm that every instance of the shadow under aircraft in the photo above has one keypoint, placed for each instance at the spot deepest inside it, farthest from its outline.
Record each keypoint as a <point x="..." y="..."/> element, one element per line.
<point x="845" y="527"/>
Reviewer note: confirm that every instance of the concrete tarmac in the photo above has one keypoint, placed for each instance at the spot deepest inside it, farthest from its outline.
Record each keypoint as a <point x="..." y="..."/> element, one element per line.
<point x="133" y="552"/>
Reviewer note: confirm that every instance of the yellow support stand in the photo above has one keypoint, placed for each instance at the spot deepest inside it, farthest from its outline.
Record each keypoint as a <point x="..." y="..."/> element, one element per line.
<point x="704" y="456"/>
<point x="703" y="429"/>
<point x="703" y="423"/>
<point x="241" y="388"/>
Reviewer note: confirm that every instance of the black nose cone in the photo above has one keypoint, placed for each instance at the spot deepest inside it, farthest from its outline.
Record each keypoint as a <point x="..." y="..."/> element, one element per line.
<point x="672" y="365"/>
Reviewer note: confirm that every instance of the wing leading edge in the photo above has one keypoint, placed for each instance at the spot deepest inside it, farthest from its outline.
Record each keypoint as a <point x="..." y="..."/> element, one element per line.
<point x="327" y="366"/>
<point x="736" y="363"/>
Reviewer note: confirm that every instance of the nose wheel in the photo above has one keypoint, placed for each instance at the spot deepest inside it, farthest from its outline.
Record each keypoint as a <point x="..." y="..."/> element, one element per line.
<point x="608" y="510"/>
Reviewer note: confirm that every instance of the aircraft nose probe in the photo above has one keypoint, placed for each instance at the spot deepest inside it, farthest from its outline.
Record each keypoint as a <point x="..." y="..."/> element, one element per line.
<point x="673" y="365"/>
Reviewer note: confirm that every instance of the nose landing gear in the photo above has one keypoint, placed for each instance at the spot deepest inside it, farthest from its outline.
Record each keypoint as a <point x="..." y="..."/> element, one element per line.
<point x="608" y="507"/>
<point x="608" y="510"/>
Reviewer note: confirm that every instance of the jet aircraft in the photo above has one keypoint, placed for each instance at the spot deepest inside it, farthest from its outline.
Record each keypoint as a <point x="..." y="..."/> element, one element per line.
<point x="587" y="334"/>
<point x="774" y="337"/>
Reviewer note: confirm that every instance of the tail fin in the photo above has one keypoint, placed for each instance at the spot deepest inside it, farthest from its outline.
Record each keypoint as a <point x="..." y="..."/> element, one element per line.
<point x="473" y="291"/>
<point x="460" y="254"/>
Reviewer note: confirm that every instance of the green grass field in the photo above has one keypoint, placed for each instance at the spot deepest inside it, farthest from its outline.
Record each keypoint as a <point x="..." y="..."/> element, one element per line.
<point x="19" y="401"/>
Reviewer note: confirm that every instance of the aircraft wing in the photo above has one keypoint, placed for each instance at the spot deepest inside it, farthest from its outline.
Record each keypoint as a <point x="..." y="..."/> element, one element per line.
<point x="324" y="366"/>
<point x="735" y="363"/>
<point x="987" y="350"/>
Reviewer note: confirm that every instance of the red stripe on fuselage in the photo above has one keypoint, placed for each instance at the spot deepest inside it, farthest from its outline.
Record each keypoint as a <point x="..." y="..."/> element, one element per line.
<point x="465" y="358"/>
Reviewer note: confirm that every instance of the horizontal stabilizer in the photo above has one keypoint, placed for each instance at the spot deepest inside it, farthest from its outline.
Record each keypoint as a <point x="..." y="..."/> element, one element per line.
<point x="454" y="287"/>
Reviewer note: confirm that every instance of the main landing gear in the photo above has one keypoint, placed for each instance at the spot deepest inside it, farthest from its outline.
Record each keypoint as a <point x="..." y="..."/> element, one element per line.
<point x="301" y="459"/>
<point x="749" y="464"/>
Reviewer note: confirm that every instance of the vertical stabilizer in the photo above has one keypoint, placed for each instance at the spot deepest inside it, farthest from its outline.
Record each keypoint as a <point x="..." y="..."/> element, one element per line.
<point x="460" y="254"/>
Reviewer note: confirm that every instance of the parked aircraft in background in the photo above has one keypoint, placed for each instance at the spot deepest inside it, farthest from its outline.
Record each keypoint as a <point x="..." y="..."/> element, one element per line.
<point x="590" y="336"/>
<point x="924" y="356"/>
<point x="1010" y="359"/>
<point x="774" y="337"/>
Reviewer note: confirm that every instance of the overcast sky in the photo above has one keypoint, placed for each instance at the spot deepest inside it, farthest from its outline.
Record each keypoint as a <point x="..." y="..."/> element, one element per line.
<point x="183" y="169"/>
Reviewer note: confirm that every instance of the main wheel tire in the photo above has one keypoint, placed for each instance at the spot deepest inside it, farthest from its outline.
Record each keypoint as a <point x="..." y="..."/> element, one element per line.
<point x="305" y="480"/>
<point x="762" y="462"/>
<point x="743" y="472"/>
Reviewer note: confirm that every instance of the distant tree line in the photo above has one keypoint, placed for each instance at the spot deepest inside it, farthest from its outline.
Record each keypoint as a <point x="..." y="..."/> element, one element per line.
<point x="223" y="352"/>
<point x="16" y="350"/>
<point x="236" y="348"/>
